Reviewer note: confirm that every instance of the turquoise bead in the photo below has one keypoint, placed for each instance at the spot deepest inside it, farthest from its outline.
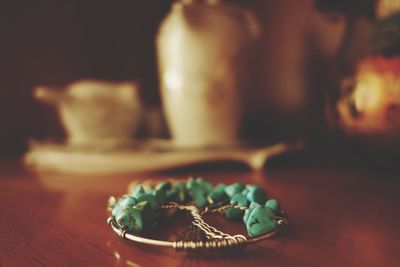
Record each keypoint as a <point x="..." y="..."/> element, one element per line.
<point x="256" y="194"/>
<point x="199" y="198"/>
<point x="199" y="184"/>
<point x="233" y="189"/>
<point x="164" y="186"/>
<point x="123" y="203"/>
<point x="138" y="211"/>
<point x="204" y="184"/>
<point x="245" y="191"/>
<point x="251" y="186"/>
<point x="115" y="210"/>
<point x="181" y="192"/>
<point x="218" y="193"/>
<point x="198" y="189"/>
<point x="234" y="213"/>
<point x="148" y="214"/>
<point x="149" y="198"/>
<point x="149" y="191"/>
<point x="131" y="219"/>
<point x="261" y="221"/>
<point x="172" y="194"/>
<point x="247" y="213"/>
<point x="161" y="196"/>
<point x="273" y="204"/>
<point x="128" y="201"/>
<point x="182" y="197"/>
<point x="137" y="218"/>
<point x="118" y="201"/>
<point x="180" y="186"/>
<point x="139" y="190"/>
<point x="191" y="182"/>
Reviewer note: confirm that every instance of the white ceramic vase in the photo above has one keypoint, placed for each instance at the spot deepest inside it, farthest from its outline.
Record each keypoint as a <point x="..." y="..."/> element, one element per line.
<point x="203" y="57"/>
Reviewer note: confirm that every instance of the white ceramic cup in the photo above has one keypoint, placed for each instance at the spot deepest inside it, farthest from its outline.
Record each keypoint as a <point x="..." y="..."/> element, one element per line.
<point x="96" y="111"/>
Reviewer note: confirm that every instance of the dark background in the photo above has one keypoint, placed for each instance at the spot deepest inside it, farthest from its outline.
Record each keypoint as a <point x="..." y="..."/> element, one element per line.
<point x="56" y="42"/>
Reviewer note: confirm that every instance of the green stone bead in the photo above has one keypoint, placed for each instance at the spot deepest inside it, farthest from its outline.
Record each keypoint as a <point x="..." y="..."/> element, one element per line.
<point x="239" y="199"/>
<point x="164" y="186"/>
<point x="273" y="204"/>
<point x="149" y="191"/>
<point x="190" y="183"/>
<point x="161" y="196"/>
<point x="123" y="203"/>
<point x="232" y="189"/>
<point x="137" y="218"/>
<point x="218" y="193"/>
<point x="244" y="191"/>
<point x="199" y="185"/>
<point x="181" y="186"/>
<point x="199" y="189"/>
<point x="172" y="194"/>
<point x="261" y="221"/>
<point x="120" y="200"/>
<point x="128" y="201"/>
<point x="204" y="184"/>
<point x="199" y="197"/>
<point x="149" y="198"/>
<point x="234" y="213"/>
<point x="147" y="213"/>
<point x="257" y="194"/>
<point x="182" y="196"/>
<point x="251" y="186"/>
<point x="139" y="190"/>
<point x="131" y="219"/>
<point x="117" y="208"/>
<point x="247" y="213"/>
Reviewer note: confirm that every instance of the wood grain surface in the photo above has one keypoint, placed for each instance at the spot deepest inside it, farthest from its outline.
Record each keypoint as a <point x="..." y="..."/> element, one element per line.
<point x="338" y="217"/>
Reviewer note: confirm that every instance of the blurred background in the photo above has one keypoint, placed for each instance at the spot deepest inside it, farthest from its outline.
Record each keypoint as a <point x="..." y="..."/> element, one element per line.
<point x="306" y="46"/>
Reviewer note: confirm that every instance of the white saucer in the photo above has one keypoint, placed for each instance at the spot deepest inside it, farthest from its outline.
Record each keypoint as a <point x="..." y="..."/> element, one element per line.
<point x="148" y="156"/>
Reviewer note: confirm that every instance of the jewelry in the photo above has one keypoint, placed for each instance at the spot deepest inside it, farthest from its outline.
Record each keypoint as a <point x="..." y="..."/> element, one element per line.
<point x="135" y="214"/>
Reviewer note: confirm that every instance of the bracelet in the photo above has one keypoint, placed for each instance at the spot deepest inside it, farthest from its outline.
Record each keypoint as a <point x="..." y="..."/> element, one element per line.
<point x="132" y="215"/>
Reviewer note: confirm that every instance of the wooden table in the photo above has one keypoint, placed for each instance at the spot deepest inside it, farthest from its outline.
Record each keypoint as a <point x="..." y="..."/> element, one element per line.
<point x="338" y="217"/>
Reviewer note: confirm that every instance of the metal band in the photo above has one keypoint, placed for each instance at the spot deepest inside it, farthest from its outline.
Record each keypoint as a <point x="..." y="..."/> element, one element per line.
<point x="216" y="239"/>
